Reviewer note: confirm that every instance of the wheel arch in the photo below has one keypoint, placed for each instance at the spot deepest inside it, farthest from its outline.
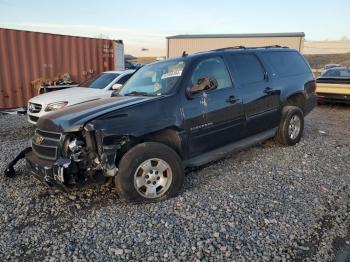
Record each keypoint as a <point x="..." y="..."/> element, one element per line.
<point x="167" y="136"/>
<point x="296" y="99"/>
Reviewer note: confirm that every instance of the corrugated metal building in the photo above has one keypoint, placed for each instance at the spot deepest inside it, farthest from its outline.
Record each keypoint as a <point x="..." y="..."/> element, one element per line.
<point x="26" y="56"/>
<point x="176" y="45"/>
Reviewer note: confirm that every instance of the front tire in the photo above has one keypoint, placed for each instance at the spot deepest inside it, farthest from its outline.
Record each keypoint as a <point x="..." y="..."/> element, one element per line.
<point x="149" y="172"/>
<point x="291" y="126"/>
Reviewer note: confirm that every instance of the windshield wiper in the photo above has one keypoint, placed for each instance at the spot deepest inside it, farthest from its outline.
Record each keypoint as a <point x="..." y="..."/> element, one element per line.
<point x="138" y="93"/>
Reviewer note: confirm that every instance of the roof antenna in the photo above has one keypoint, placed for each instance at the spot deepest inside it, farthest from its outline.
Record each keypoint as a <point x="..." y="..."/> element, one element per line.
<point x="184" y="54"/>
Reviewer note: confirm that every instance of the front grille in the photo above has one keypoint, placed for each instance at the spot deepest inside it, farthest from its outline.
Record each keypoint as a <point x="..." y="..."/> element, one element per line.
<point x="51" y="135"/>
<point x="33" y="118"/>
<point x="45" y="152"/>
<point x="45" y="144"/>
<point x="34" y="108"/>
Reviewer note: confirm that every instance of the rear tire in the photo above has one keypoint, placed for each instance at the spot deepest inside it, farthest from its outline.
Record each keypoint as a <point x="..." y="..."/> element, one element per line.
<point x="291" y="126"/>
<point x="149" y="172"/>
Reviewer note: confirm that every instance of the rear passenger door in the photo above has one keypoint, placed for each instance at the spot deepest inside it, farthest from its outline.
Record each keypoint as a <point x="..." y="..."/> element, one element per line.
<point x="261" y="98"/>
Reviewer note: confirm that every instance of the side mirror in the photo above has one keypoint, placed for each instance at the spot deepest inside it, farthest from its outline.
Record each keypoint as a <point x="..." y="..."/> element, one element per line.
<point x="203" y="84"/>
<point x="117" y="86"/>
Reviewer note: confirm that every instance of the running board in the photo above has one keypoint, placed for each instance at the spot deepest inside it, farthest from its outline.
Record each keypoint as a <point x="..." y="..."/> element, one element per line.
<point x="234" y="147"/>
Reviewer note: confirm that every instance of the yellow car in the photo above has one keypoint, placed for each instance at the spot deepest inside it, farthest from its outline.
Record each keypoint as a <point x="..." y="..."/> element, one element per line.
<point x="334" y="85"/>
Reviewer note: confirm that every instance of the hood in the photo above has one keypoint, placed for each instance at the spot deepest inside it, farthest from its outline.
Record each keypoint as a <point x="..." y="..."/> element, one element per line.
<point x="73" y="118"/>
<point x="72" y="95"/>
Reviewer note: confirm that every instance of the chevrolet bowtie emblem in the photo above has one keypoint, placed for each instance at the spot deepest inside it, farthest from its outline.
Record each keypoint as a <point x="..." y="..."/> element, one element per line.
<point x="38" y="139"/>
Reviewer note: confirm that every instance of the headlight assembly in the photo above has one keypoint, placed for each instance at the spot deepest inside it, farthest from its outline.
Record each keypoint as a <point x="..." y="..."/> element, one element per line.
<point x="55" y="106"/>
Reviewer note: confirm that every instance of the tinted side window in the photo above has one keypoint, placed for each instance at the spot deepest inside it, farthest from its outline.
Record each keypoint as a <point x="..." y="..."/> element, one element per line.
<point x="248" y="67"/>
<point x="123" y="79"/>
<point x="212" y="68"/>
<point x="286" y="63"/>
<point x="100" y="81"/>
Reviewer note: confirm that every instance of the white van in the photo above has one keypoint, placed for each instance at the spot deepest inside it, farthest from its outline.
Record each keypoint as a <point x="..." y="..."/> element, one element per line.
<point x="100" y="86"/>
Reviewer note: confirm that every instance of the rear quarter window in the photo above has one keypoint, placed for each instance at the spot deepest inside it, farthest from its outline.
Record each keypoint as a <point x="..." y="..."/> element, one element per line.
<point x="286" y="63"/>
<point x="248" y="68"/>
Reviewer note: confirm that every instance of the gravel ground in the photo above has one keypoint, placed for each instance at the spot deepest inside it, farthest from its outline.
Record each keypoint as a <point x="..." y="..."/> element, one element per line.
<point x="264" y="203"/>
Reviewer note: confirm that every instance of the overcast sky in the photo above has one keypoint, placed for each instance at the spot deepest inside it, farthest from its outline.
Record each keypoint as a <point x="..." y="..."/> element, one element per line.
<point x="145" y="24"/>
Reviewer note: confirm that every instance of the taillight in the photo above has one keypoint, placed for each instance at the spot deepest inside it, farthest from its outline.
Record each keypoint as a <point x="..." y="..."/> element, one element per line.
<point x="315" y="86"/>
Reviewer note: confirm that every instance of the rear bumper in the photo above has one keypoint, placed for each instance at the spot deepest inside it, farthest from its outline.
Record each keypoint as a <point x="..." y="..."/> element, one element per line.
<point x="328" y="97"/>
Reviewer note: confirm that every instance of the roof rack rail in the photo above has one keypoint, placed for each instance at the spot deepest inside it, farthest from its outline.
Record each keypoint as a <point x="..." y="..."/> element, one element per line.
<point x="272" y="46"/>
<point x="243" y="47"/>
<point x="231" y="47"/>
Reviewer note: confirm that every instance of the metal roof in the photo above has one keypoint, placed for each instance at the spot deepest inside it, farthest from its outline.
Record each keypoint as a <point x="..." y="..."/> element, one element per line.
<point x="295" y="34"/>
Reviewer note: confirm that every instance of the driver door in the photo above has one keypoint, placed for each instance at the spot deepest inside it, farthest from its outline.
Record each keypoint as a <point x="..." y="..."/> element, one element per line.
<point x="217" y="111"/>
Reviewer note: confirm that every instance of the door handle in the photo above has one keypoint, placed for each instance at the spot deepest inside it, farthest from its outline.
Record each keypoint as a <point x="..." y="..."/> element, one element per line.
<point x="268" y="90"/>
<point x="232" y="99"/>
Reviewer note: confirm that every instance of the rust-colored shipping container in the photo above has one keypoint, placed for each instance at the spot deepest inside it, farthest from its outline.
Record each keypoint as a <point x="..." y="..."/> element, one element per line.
<point x="26" y="56"/>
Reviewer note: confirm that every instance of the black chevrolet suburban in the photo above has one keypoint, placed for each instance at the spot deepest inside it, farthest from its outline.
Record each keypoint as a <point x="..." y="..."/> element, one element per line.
<point x="173" y="115"/>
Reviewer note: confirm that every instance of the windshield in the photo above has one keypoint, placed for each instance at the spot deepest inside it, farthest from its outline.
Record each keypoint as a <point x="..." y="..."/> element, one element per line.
<point x="100" y="81"/>
<point x="337" y="73"/>
<point x="154" y="79"/>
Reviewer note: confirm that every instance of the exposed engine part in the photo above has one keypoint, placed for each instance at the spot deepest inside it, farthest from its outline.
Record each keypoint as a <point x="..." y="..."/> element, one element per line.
<point x="75" y="145"/>
<point x="76" y="148"/>
<point x="97" y="161"/>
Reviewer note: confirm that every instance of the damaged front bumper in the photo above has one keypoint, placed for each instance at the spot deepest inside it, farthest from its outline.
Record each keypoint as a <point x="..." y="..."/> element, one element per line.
<point x="48" y="172"/>
<point x="63" y="173"/>
<point x="68" y="161"/>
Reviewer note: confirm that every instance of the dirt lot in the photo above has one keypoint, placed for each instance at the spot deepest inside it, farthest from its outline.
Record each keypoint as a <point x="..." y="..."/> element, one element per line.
<point x="264" y="203"/>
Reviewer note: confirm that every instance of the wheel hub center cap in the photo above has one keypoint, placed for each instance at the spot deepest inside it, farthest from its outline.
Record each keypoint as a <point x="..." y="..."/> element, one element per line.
<point x="152" y="177"/>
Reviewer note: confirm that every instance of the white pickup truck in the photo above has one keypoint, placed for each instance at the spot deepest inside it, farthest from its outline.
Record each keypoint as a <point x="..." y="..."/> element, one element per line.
<point x="101" y="86"/>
